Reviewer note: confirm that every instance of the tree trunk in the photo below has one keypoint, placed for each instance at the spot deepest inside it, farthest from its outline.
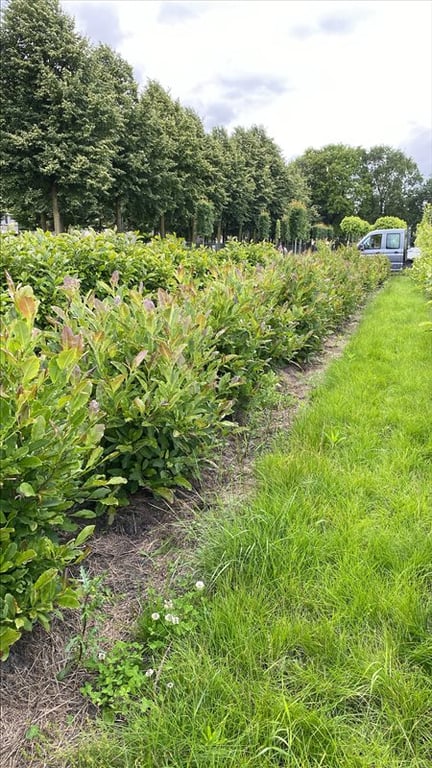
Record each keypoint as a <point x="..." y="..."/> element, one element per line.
<point x="43" y="221"/>
<point x="119" y="216"/>
<point x="219" y="231"/>
<point x="162" y="225"/>
<point x="240" y="232"/>
<point x="193" y="230"/>
<point x="58" y="224"/>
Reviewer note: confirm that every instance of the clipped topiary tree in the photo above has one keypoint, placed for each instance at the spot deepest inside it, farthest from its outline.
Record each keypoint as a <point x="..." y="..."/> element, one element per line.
<point x="353" y="228"/>
<point x="322" y="231"/>
<point x="388" y="222"/>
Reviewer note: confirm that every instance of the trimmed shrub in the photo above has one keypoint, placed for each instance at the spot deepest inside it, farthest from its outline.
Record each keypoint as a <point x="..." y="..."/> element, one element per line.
<point x="49" y="451"/>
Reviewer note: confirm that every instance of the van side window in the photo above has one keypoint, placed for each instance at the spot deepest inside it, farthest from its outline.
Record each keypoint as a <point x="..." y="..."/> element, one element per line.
<point x="375" y="242"/>
<point x="393" y="240"/>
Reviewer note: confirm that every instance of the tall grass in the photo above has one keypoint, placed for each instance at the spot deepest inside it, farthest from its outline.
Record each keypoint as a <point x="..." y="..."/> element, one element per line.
<point x="314" y="645"/>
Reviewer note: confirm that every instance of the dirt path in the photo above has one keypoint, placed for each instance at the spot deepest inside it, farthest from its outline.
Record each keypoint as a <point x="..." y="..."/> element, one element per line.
<point x="147" y="547"/>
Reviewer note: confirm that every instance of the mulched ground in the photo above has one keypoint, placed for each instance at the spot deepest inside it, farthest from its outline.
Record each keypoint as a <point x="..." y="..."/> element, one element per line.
<point x="146" y="547"/>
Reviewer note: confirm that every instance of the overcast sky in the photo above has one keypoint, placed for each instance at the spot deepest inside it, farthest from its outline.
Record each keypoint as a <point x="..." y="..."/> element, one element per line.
<point x="356" y="72"/>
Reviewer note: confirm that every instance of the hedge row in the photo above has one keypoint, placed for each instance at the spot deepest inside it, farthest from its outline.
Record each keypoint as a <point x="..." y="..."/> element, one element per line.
<point x="42" y="260"/>
<point x="137" y="389"/>
<point x="422" y="267"/>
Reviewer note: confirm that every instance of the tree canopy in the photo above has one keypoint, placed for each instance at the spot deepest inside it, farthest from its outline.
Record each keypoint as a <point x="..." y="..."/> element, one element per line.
<point x="58" y="117"/>
<point x="82" y="145"/>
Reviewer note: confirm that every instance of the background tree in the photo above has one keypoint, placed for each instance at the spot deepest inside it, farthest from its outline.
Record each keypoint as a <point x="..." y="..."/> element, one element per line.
<point x="119" y="85"/>
<point x="416" y="202"/>
<point x="336" y="176"/>
<point x="56" y="123"/>
<point x="251" y="144"/>
<point x="298" y="222"/>
<point x="321" y="231"/>
<point x="173" y="165"/>
<point x="205" y="218"/>
<point x="159" y="187"/>
<point x="260" y="180"/>
<point x="264" y="225"/>
<point x="241" y="191"/>
<point x="191" y="169"/>
<point x="393" y="180"/>
<point x="217" y="153"/>
<point x="285" y="229"/>
<point x="298" y="187"/>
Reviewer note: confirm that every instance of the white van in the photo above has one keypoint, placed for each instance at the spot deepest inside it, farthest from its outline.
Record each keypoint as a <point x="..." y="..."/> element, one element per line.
<point x="393" y="243"/>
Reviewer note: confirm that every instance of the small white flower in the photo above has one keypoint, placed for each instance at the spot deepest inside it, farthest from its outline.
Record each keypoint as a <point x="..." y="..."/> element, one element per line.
<point x="199" y="585"/>
<point x="149" y="672"/>
<point x="170" y="685"/>
<point x="155" y="616"/>
<point x="172" y="619"/>
<point x="101" y="655"/>
<point x="168" y="604"/>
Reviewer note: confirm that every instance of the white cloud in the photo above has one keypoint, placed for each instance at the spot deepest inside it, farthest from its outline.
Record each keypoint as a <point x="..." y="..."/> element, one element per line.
<point x="355" y="71"/>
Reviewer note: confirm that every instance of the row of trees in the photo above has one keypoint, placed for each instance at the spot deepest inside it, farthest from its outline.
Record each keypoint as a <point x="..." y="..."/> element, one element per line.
<point x="81" y="146"/>
<point x="347" y="181"/>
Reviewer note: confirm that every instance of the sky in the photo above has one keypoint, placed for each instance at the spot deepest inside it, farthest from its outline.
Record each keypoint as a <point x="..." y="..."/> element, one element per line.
<point x="356" y="72"/>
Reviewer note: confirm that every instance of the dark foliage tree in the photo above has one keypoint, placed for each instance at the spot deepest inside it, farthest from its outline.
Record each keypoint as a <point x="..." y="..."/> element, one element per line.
<point x="395" y="182"/>
<point x="337" y="178"/>
<point x="121" y="89"/>
<point x="57" y="120"/>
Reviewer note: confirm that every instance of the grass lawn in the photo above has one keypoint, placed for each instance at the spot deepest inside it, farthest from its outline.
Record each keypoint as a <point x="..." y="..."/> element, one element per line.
<point x="313" y="646"/>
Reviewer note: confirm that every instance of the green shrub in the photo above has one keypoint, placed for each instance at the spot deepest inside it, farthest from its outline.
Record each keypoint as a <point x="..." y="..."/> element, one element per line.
<point x="49" y="450"/>
<point x="43" y="261"/>
<point x="156" y="373"/>
<point x="235" y="305"/>
<point x="422" y="267"/>
<point x="251" y="253"/>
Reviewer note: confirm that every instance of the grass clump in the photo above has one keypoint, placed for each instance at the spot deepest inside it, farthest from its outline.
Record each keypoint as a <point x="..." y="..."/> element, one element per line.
<point x="312" y="645"/>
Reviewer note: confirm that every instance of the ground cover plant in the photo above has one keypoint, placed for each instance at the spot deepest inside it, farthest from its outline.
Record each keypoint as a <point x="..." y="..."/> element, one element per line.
<point x="143" y="383"/>
<point x="310" y="645"/>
